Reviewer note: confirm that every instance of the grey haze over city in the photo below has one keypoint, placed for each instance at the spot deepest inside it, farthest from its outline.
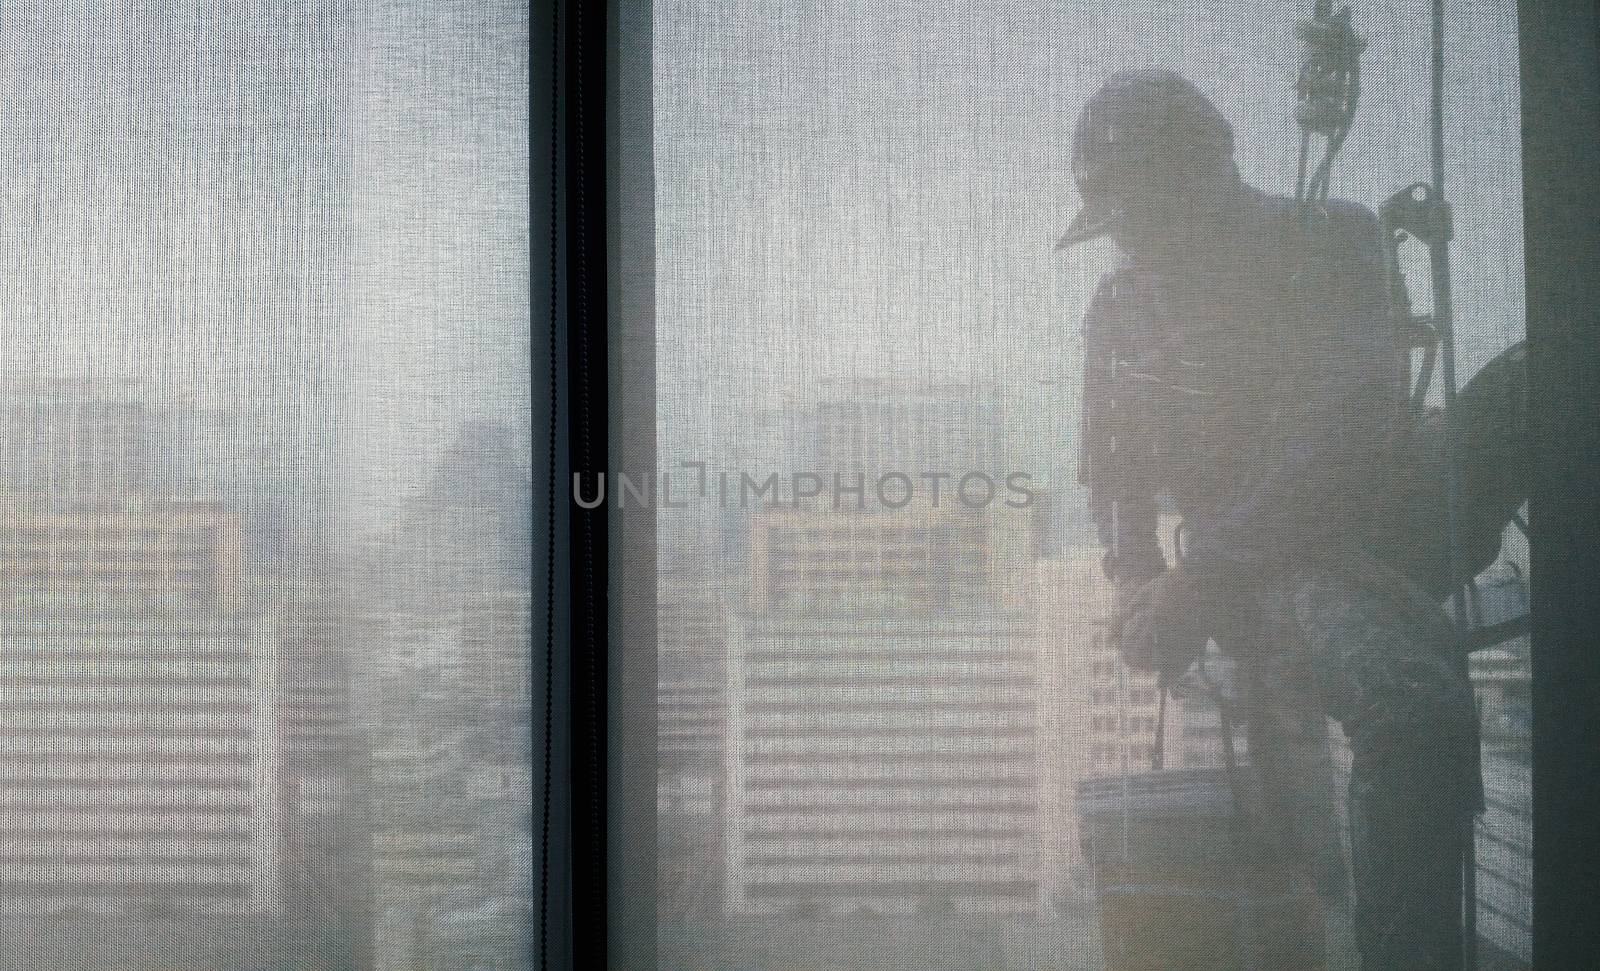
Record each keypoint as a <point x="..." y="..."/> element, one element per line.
<point x="282" y="253"/>
<point x="321" y="218"/>
<point x="265" y="486"/>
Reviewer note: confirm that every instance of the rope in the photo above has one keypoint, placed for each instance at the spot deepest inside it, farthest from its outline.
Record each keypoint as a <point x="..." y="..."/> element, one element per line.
<point x="1158" y="751"/>
<point x="1328" y="89"/>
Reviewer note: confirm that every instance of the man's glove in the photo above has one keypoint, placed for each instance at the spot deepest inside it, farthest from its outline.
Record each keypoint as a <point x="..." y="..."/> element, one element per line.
<point x="1163" y="625"/>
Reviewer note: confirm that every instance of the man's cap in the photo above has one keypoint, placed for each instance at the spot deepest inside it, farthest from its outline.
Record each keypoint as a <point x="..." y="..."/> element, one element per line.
<point x="1091" y="222"/>
<point x="1145" y="134"/>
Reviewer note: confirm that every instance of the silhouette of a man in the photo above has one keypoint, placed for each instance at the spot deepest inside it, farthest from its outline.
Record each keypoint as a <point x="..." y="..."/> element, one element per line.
<point x="1241" y="362"/>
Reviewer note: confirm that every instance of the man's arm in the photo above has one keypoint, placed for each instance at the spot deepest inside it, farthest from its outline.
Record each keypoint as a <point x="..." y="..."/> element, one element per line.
<point x="1157" y="624"/>
<point x="1112" y="460"/>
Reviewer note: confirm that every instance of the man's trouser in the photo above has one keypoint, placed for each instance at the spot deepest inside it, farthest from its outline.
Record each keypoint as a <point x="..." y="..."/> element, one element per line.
<point x="1358" y="644"/>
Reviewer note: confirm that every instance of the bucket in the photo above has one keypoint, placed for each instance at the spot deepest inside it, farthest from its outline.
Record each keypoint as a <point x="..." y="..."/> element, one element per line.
<point x="1182" y="886"/>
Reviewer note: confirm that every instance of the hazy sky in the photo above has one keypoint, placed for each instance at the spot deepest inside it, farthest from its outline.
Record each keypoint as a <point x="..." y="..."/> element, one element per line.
<point x="863" y="187"/>
<point x="315" y="213"/>
<point x="321" y="213"/>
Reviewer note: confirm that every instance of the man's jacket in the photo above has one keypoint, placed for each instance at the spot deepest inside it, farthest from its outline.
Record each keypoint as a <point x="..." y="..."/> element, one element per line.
<point x="1258" y="384"/>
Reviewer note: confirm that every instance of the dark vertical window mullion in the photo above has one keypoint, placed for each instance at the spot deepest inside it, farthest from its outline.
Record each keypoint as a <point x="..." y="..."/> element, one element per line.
<point x="1561" y="153"/>
<point x="552" y="934"/>
<point x="588" y="450"/>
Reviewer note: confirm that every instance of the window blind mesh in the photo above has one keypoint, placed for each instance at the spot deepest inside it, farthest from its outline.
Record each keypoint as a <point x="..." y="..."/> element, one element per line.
<point x="264" y="486"/>
<point x="893" y="726"/>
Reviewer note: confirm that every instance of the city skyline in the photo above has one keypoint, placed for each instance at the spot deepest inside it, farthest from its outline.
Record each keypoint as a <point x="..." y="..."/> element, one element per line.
<point x="207" y="739"/>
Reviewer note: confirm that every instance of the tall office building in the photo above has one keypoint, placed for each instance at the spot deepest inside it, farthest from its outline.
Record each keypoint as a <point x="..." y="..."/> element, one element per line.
<point x="142" y="756"/>
<point x="886" y="762"/>
<point x="883" y="684"/>
<point x="70" y="445"/>
<point x="468" y="529"/>
<point x="916" y="556"/>
<point x="324" y="772"/>
<point x="911" y="428"/>
<point x="121" y="532"/>
<point x="425" y="850"/>
<point x="449" y="813"/>
<point x="496" y="639"/>
<point x="72" y="440"/>
<point x="1501" y="679"/>
<point x="1102" y="718"/>
<point x="445" y="698"/>
<point x="121" y="550"/>
<point x="691" y="726"/>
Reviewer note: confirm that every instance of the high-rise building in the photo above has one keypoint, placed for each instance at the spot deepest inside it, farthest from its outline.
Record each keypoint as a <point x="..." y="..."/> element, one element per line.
<point x="915" y="556"/>
<point x="496" y="640"/>
<point x="884" y="761"/>
<point x="142" y="758"/>
<point x="915" y="428"/>
<point x="446" y="701"/>
<point x="75" y="444"/>
<point x="426" y="855"/>
<point x="120" y="550"/>
<point x="691" y="725"/>
<point x="1501" y="678"/>
<point x="449" y="794"/>
<point x="324" y="772"/>
<point x="1504" y="849"/>
<point x="72" y="440"/>
<point x="884" y="708"/>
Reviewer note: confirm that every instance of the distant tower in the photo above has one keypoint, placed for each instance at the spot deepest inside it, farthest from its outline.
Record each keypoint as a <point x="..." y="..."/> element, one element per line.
<point x="884" y="730"/>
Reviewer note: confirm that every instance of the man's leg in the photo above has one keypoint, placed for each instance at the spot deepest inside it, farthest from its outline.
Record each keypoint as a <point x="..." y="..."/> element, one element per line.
<point x="1384" y="671"/>
<point x="1294" y="813"/>
<point x="1291" y="858"/>
<point x="1406" y="852"/>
